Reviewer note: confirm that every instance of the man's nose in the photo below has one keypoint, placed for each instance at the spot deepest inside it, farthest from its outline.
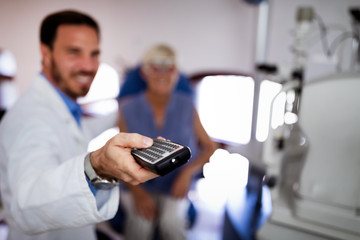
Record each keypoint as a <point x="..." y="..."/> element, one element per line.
<point x="89" y="64"/>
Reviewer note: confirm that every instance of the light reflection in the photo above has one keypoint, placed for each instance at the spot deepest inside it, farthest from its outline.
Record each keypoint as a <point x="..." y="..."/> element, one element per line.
<point x="290" y="118"/>
<point x="268" y="90"/>
<point x="224" y="173"/>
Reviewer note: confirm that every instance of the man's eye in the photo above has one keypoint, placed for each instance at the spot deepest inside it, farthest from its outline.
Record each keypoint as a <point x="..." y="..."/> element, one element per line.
<point x="73" y="52"/>
<point x="95" y="54"/>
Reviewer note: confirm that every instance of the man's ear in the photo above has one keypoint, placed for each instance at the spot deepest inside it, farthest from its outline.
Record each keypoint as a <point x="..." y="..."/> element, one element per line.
<point x="45" y="55"/>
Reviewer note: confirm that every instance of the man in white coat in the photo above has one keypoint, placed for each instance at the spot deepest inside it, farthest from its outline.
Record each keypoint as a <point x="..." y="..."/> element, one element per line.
<point x="51" y="188"/>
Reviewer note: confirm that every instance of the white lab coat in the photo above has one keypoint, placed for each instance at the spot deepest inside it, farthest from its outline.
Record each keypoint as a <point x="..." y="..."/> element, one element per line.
<point x="44" y="191"/>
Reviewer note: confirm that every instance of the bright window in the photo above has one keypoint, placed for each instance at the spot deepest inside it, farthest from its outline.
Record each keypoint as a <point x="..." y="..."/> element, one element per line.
<point x="101" y="99"/>
<point x="7" y="64"/>
<point x="225" y="105"/>
<point x="271" y="108"/>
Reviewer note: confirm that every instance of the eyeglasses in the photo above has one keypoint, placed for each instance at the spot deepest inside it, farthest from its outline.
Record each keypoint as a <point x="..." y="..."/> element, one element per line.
<point x="162" y="68"/>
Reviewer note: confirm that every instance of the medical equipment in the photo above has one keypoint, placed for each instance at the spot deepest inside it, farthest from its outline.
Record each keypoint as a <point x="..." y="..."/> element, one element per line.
<point x="315" y="155"/>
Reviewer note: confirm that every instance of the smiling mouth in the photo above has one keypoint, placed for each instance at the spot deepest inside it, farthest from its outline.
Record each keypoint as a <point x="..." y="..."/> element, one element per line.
<point x="163" y="81"/>
<point x="84" y="78"/>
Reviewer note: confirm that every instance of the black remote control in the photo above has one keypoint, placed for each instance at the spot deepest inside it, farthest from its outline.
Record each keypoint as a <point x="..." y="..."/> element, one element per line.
<point x="162" y="157"/>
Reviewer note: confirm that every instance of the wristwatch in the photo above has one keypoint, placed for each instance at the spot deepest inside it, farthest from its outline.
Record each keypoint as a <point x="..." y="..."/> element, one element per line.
<point x="95" y="180"/>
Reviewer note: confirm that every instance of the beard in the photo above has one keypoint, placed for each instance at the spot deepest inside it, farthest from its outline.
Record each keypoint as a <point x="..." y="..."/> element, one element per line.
<point x="62" y="83"/>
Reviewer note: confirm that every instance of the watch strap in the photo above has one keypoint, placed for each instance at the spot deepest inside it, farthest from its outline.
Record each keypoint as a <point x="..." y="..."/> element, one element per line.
<point x="96" y="180"/>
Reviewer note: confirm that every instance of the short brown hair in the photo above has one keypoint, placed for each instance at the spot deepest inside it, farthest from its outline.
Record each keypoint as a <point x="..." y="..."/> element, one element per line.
<point x="51" y="23"/>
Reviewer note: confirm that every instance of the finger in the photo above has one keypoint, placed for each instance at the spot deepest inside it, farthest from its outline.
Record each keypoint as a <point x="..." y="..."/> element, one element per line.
<point x="142" y="175"/>
<point x="161" y="138"/>
<point x="128" y="179"/>
<point x="132" y="140"/>
<point x="129" y="171"/>
<point x="135" y="178"/>
<point x="136" y="172"/>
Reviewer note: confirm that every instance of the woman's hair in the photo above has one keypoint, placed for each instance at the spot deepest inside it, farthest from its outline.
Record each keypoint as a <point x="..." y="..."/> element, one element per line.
<point x="161" y="55"/>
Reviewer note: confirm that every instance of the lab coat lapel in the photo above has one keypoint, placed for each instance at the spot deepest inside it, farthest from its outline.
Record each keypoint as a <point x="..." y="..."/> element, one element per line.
<point x="47" y="91"/>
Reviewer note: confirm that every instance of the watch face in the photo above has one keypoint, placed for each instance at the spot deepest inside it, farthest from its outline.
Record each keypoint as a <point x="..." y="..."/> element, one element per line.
<point x="103" y="184"/>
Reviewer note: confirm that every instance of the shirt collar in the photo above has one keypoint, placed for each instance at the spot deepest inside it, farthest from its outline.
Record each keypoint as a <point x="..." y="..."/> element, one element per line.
<point x="74" y="107"/>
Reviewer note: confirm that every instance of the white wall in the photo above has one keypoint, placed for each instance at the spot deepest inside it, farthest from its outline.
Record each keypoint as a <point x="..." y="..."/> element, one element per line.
<point x="207" y="34"/>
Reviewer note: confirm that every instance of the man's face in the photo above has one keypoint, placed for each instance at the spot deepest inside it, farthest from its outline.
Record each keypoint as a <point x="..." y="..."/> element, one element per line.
<point x="73" y="62"/>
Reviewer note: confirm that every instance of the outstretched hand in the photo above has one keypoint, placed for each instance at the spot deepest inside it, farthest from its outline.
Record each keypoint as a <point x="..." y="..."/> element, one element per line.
<point x="114" y="159"/>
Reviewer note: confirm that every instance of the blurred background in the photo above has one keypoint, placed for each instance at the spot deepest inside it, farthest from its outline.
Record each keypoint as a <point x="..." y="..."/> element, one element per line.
<point x="252" y="64"/>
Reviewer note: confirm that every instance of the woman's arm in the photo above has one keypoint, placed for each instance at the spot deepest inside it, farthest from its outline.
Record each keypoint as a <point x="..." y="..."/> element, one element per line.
<point x="207" y="147"/>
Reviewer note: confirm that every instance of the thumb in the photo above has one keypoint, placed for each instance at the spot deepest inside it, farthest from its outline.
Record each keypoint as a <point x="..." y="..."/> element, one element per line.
<point x="133" y="140"/>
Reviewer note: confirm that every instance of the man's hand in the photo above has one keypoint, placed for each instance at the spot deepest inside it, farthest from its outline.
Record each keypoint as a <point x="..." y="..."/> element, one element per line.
<point x="114" y="159"/>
